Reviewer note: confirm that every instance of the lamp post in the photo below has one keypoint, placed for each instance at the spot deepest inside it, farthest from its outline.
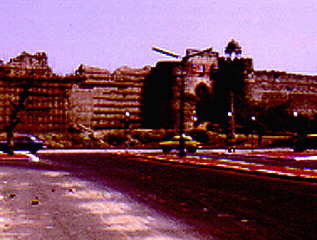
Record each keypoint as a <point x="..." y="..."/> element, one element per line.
<point x="232" y="119"/>
<point x="295" y="123"/>
<point x="231" y="132"/>
<point x="126" y="119"/>
<point x="232" y="68"/>
<point x="126" y="126"/>
<point x="298" y="126"/>
<point x="295" y="114"/>
<point x="182" y="98"/>
<point x="253" y="119"/>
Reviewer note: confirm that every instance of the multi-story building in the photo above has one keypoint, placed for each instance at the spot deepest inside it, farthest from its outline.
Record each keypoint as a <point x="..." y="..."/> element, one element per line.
<point x="108" y="100"/>
<point x="46" y="107"/>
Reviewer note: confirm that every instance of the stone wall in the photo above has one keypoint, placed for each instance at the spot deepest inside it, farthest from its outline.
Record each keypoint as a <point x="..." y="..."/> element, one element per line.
<point x="163" y="90"/>
<point x="273" y="88"/>
<point x="98" y="99"/>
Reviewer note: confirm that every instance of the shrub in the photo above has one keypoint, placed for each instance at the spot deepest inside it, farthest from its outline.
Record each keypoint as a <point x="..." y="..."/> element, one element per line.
<point x="115" y="138"/>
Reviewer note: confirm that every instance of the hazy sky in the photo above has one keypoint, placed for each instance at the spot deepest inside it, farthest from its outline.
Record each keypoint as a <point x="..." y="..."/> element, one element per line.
<point x="277" y="34"/>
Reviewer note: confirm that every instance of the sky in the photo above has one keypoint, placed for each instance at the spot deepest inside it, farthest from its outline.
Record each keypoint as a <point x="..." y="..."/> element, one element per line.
<point x="277" y="34"/>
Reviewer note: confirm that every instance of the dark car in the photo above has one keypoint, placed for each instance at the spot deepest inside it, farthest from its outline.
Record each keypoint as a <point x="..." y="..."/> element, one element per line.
<point x="302" y="143"/>
<point x="23" y="142"/>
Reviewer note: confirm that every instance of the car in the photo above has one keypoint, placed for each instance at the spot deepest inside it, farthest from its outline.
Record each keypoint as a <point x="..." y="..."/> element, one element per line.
<point x="23" y="142"/>
<point x="190" y="144"/>
<point x="302" y="143"/>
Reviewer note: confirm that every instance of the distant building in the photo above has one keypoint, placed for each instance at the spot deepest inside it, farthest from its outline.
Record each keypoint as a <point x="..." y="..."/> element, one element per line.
<point x="198" y="77"/>
<point x="273" y="88"/>
<point x="103" y="100"/>
<point x="25" y="62"/>
<point x="207" y="86"/>
<point x="47" y="104"/>
<point x="162" y="94"/>
<point x="148" y="97"/>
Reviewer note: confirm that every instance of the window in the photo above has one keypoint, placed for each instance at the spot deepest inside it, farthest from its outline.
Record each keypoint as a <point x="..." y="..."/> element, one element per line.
<point x="201" y="68"/>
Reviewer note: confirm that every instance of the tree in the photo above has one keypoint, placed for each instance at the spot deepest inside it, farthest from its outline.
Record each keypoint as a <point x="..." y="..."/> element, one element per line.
<point x="15" y="119"/>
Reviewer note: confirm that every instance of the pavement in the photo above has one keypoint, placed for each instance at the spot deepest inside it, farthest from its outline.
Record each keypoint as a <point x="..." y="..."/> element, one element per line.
<point x="74" y="208"/>
<point x="50" y="204"/>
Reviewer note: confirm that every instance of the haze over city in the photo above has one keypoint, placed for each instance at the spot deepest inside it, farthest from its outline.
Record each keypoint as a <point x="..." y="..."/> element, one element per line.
<point x="278" y="35"/>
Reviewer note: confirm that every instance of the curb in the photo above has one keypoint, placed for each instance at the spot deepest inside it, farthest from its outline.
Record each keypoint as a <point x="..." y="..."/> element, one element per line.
<point x="18" y="157"/>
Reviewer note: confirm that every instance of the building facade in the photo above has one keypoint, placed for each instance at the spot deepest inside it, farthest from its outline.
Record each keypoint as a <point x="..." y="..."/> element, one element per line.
<point x="148" y="97"/>
<point x="272" y="88"/>
<point x="203" y="85"/>
<point x="171" y="82"/>
<point x="214" y="86"/>
<point x="109" y="100"/>
<point x="46" y="107"/>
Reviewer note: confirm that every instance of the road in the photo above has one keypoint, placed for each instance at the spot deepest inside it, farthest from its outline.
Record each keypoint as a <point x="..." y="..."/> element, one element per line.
<point x="226" y="204"/>
<point x="178" y="202"/>
<point x="60" y="201"/>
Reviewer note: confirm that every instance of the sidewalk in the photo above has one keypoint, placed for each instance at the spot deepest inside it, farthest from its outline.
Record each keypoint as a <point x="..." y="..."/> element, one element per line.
<point x="274" y="162"/>
<point x="46" y="204"/>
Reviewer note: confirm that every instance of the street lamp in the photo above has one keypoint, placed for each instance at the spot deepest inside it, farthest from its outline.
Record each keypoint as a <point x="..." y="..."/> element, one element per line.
<point x="298" y="125"/>
<point x="182" y="98"/>
<point x="295" y="114"/>
<point x="253" y="119"/>
<point x="231" y="132"/>
<point x="126" y="119"/>
<point x="232" y="72"/>
<point x="126" y="131"/>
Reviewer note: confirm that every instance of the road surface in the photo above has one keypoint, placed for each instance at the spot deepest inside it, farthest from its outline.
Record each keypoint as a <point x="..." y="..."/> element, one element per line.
<point x="224" y="203"/>
<point x="43" y="201"/>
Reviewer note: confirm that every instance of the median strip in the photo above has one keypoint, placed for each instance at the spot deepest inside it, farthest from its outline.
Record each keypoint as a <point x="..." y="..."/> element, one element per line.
<point x="243" y="163"/>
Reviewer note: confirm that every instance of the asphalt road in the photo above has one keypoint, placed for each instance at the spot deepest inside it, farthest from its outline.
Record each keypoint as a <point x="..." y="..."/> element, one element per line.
<point x="60" y="201"/>
<point x="214" y="203"/>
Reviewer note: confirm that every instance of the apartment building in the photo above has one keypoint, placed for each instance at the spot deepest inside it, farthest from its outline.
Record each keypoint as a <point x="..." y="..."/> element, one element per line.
<point x="109" y="100"/>
<point x="46" y="107"/>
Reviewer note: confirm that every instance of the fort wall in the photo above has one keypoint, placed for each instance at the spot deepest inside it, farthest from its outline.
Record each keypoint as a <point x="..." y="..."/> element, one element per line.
<point x="273" y="88"/>
<point x="98" y="99"/>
